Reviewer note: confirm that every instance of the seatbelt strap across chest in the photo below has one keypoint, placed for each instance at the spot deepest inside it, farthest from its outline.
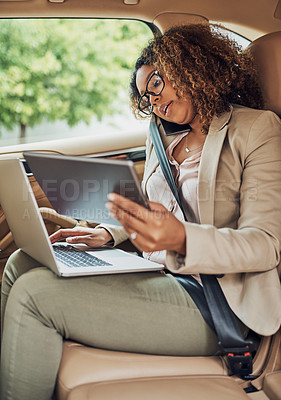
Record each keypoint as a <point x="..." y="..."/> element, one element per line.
<point x="237" y="349"/>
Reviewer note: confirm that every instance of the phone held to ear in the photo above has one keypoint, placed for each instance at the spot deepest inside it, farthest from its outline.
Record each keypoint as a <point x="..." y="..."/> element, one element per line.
<point x="170" y="128"/>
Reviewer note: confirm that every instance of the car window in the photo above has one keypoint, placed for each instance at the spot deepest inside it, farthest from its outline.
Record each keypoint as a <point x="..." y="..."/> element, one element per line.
<point x="62" y="78"/>
<point x="241" y="40"/>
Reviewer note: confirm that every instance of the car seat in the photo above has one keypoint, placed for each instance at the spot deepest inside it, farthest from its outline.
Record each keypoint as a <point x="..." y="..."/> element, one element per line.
<point x="91" y="373"/>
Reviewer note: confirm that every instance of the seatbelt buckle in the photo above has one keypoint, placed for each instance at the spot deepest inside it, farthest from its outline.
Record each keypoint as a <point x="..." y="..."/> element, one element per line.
<point x="240" y="360"/>
<point x="240" y="364"/>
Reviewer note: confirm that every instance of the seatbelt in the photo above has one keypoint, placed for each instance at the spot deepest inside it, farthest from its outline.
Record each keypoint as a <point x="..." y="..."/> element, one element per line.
<point x="235" y="347"/>
<point x="163" y="161"/>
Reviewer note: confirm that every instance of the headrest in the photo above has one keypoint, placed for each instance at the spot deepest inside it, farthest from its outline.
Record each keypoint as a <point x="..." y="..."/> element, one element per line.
<point x="266" y="51"/>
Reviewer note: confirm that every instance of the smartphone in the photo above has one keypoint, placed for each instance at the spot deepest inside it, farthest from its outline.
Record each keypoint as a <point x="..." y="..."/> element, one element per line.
<point x="170" y="128"/>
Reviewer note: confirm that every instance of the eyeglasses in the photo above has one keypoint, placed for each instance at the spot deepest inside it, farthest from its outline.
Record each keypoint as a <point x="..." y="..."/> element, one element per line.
<point x="154" y="87"/>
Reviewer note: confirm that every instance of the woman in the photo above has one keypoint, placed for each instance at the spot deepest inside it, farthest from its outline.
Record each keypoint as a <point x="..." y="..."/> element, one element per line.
<point x="228" y="171"/>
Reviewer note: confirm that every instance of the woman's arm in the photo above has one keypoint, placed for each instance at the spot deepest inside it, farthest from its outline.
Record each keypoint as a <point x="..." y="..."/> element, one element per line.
<point x="194" y="248"/>
<point x="253" y="246"/>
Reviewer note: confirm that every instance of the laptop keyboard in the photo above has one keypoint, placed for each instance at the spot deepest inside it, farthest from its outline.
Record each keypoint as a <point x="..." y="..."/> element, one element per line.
<point x="73" y="257"/>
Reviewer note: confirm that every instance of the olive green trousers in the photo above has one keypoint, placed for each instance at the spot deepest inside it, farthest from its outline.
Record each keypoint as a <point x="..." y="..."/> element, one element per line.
<point x="136" y="312"/>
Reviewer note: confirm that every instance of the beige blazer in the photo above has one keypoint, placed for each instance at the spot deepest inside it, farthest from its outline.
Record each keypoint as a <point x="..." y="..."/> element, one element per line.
<point x="239" y="199"/>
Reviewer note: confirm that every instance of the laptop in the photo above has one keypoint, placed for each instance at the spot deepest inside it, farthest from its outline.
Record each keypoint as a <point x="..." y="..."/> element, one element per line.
<point x="77" y="186"/>
<point x="30" y="234"/>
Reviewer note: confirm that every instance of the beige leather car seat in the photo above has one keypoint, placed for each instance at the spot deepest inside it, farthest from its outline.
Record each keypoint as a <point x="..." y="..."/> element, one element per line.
<point x="89" y="373"/>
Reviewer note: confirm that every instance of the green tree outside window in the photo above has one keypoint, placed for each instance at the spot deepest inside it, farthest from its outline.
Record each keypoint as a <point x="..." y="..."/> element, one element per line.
<point x="65" y="69"/>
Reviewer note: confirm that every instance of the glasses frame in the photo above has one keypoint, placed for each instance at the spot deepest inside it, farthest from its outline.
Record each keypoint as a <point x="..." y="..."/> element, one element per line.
<point x="148" y="92"/>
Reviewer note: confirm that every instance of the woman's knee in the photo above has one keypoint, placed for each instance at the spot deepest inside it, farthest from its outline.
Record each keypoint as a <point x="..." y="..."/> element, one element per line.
<point x="28" y="289"/>
<point x="17" y="264"/>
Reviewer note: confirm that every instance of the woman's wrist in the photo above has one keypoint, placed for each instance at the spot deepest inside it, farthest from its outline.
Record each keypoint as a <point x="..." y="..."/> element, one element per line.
<point x="107" y="236"/>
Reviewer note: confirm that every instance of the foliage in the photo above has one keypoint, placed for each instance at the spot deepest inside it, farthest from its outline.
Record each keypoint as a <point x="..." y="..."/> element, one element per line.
<point x="65" y="69"/>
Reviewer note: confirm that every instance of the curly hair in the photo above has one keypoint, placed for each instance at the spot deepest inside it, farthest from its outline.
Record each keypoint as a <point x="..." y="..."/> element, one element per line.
<point x="202" y="63"/>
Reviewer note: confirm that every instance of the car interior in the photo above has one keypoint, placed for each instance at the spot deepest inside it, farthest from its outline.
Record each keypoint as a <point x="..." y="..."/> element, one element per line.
<point x="92" y="373"/>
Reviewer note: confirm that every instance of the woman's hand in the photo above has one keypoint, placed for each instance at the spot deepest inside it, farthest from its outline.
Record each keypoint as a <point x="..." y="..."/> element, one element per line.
<point x="150" y="230"/>
<point x="89" y="236"/>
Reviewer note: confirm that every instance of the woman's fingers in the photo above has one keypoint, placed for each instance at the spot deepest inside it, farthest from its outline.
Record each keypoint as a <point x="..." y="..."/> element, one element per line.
<point x="65" y="233"/>
<point x="150" y="230"/>
<point x="123" y="204"/>
<point x="89" y="236"/>
<point x="131" y="222"/>
<point x="143" y="226"/>
<point x="86" y="239"/>
<point x="128" y="212"/>
<point x="134" y="217"/>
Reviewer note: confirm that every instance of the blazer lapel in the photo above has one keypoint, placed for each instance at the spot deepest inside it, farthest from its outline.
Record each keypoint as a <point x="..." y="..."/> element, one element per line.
<point x="209" y="165"/>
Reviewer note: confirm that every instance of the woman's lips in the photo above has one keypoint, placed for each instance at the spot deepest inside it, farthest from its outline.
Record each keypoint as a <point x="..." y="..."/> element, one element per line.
<point x="165" y="109"/>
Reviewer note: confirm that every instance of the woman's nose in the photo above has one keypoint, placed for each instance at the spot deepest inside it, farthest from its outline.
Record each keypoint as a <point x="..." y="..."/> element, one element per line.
<point x="153" y="99"/>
